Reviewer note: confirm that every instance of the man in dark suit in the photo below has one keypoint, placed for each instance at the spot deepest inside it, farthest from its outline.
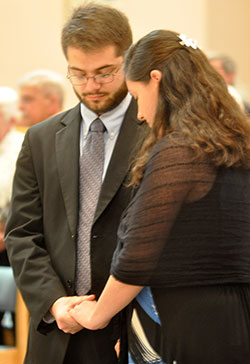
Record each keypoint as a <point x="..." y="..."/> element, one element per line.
<point x="42" y="229"/>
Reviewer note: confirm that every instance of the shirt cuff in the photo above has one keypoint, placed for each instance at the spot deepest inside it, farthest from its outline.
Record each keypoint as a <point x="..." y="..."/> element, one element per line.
<point x="48" y="318"/>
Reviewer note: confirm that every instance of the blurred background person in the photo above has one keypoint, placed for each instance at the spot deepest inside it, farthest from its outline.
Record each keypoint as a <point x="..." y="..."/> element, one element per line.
<point x="10" y="144"/>
<point x="41" y="95"/>
<point x="225" y="66"/>
<point x="228" y="70"/>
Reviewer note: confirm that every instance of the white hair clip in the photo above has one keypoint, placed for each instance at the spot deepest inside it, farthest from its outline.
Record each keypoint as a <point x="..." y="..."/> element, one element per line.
<point x="188" y="42"/>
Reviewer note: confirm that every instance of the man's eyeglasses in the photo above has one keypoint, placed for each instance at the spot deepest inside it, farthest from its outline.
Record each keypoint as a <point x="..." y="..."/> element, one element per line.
<point x="80" y="80"/>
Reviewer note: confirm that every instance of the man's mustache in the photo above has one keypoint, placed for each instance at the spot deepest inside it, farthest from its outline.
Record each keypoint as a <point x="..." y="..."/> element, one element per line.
<point x="94" y="93"/>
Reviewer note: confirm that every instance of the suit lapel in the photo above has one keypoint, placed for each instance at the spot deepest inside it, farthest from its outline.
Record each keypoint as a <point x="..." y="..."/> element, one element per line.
<point x="67" y="155"/>
<point x="120" y="160"/>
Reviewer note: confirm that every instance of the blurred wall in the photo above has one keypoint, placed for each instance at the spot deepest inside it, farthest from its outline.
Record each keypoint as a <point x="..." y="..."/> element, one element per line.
<point x="229" y="31"/>
<point x="30" y="31"/>
<point x="30" y="39"/>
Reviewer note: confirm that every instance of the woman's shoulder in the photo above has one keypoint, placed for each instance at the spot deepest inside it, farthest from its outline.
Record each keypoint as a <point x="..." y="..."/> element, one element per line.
<point x="173" y="146"/>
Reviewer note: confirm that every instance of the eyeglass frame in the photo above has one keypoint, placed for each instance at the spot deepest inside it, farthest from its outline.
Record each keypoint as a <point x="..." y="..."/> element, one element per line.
<point x="113" y="74"/>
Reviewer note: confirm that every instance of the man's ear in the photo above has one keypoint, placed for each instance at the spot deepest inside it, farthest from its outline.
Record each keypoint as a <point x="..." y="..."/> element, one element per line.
<point x="156" y="75"/>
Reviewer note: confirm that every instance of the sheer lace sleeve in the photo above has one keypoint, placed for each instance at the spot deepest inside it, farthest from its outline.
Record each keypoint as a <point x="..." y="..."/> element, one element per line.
<point x="171" y="179"/>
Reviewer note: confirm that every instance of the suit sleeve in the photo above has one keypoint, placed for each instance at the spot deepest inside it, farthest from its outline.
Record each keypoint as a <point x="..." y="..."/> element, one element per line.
<point x="25" y="242"/>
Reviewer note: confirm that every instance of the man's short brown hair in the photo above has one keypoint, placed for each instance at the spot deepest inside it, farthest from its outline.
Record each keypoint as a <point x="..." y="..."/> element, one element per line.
<point x="93" y="26"/>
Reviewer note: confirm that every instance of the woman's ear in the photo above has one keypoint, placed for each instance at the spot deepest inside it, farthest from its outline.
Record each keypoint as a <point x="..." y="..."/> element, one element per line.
<point x="156" y="75"/>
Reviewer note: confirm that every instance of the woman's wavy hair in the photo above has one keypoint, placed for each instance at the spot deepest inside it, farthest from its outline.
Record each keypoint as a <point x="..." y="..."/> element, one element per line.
<point x="194" y="102"/>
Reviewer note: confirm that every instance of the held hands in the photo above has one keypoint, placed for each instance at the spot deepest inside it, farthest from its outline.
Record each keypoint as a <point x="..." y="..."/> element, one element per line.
<point x="61" y="310"/>
<point x="85" y="314"/>
<point x="96" y="315"/>
<point x="74" y="313"/>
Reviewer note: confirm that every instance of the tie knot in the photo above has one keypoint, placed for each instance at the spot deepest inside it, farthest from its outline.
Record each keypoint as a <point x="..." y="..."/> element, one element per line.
<point x="97" y="126"/>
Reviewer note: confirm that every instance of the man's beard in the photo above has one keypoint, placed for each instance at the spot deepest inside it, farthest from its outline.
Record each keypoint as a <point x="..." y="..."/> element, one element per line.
<point x="109" y="104"/>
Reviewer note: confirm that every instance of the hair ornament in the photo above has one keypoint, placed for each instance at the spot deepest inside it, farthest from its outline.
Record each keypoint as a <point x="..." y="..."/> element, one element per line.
<point x="188" y="42"/>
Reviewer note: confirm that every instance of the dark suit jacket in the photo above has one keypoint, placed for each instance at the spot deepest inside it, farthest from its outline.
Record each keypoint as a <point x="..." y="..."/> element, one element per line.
<point x="42" y="225"/>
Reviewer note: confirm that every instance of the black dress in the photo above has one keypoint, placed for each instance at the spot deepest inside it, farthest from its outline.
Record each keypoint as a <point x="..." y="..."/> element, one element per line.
<point x="186" y="235"/>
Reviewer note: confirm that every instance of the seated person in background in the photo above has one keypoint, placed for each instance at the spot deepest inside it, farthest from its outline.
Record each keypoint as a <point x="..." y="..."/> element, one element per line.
<point x="10" y="144"/>
<point x="185" y="236"/>
<point x="41" y="95"/>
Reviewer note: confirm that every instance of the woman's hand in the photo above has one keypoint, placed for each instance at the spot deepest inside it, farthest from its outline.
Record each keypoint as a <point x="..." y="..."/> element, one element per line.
<point x="84" y="314"/>
<point x="94" y="315"/>
<point x="61" y="308"/>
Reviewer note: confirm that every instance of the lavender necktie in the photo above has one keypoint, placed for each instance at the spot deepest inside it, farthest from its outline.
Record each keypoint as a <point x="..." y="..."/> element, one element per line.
<point x="91" y="169"/>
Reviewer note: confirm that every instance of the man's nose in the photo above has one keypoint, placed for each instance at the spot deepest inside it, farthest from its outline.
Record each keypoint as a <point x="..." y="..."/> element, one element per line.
<point x="92" y="84"/>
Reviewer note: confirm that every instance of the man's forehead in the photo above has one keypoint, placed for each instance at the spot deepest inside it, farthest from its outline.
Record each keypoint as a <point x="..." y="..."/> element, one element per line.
<point x="96" y="59"/>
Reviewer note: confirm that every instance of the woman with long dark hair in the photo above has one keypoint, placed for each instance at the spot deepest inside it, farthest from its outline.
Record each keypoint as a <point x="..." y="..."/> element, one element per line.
<point x="184" y="241"/>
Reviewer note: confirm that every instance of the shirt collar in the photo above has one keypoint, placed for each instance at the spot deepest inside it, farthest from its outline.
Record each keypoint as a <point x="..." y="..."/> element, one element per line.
<point x="111" y="119"/>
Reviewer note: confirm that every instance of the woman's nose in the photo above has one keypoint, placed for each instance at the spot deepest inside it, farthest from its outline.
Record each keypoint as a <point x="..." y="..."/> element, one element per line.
<point x="140" y="116"/>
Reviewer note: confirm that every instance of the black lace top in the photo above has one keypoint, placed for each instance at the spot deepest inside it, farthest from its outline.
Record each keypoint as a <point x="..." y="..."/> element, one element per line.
<point x="188" y="224"/>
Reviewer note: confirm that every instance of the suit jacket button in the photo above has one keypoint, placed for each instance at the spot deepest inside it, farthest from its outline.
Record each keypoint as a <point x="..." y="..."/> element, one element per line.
<point x="69" y="283"/>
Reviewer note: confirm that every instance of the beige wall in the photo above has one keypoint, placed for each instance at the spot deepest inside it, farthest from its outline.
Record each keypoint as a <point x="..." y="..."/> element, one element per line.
<point x="175" y="15"/>
<point x="30" y="31"/>
<point x="229" y="31"/>
<point x="30" y="39"/>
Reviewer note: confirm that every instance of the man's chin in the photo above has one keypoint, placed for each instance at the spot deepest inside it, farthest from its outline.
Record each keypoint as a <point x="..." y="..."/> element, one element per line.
<point x="96" y="106"/>
<point x="107" y="104"/>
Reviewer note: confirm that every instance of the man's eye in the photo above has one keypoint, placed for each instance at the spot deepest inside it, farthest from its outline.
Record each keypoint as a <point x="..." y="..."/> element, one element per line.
<point x="104" y="75"/>
<point x="80" y="77"/>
